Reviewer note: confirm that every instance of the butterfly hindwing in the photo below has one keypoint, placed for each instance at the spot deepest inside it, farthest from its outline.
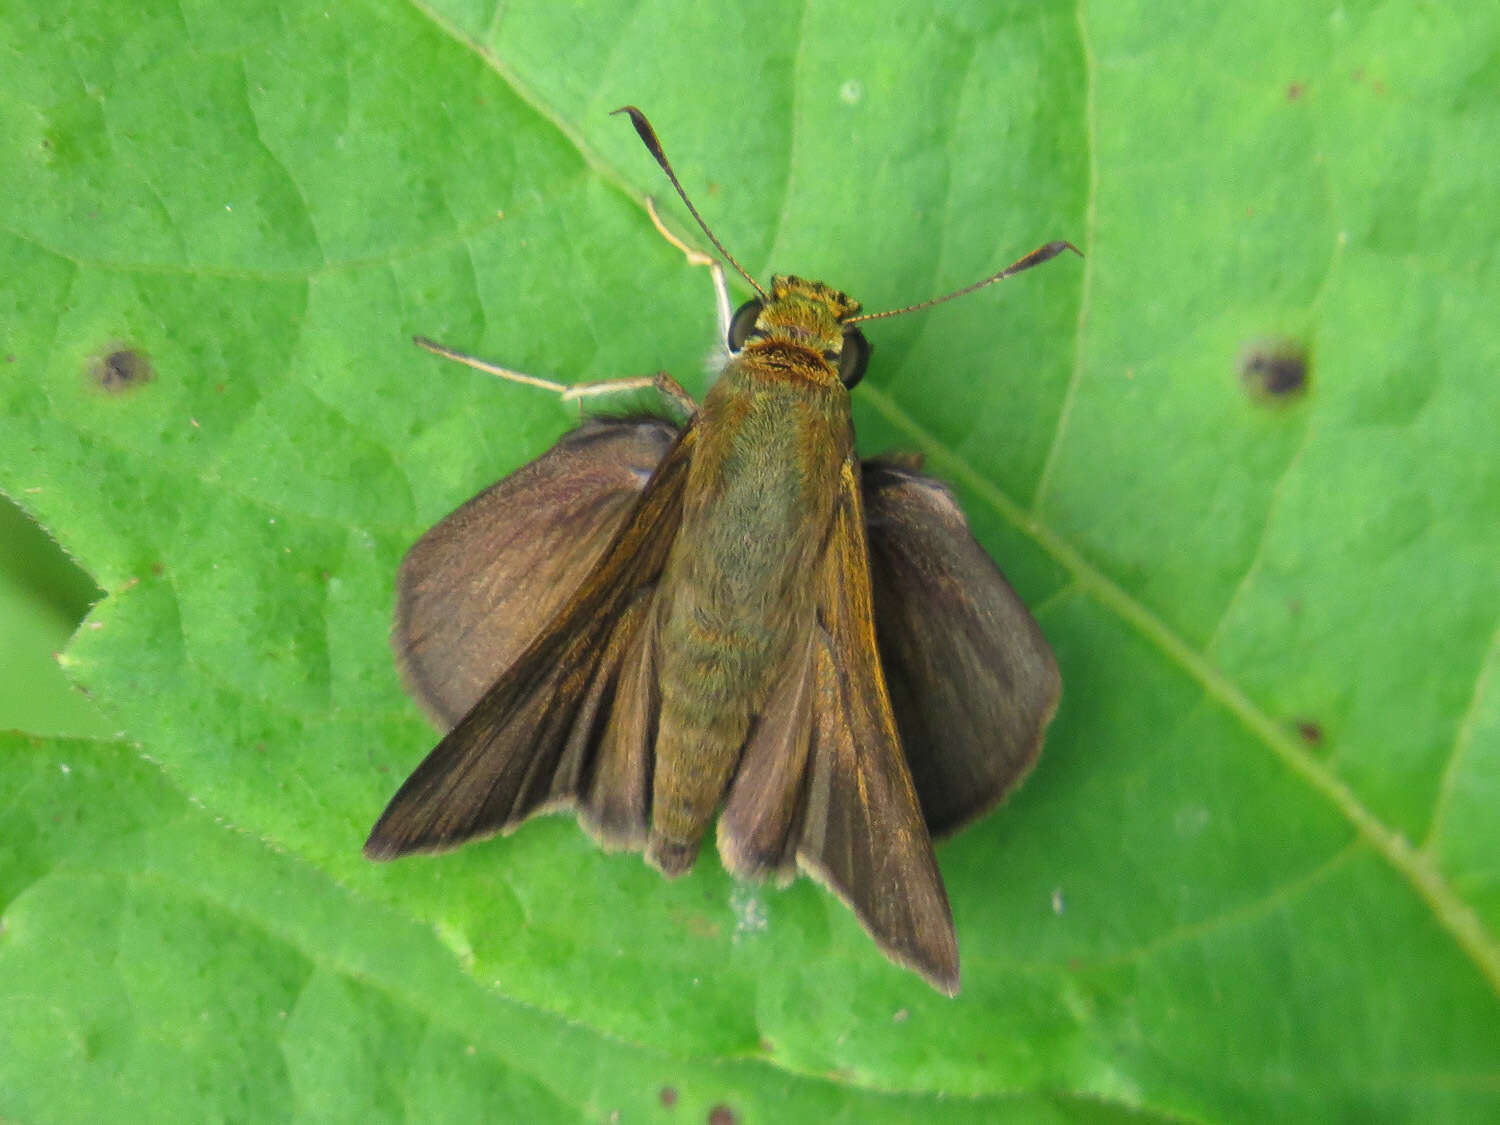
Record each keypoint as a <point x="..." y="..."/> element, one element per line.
<point x="862" y="832"/>
<point x="483" y="583"/>
<point x="972" y="681"/>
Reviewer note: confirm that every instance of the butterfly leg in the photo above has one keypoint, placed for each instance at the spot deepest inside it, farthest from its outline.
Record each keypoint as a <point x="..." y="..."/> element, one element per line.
<point x="699" y="258"/>
<point x="661" y="382"/>
<point x="664" y="385"/>
<point x="486" y="366"/>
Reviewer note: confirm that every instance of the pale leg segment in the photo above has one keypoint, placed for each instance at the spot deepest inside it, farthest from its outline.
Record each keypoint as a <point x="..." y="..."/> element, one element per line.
<point x="661" y="382"/>
<point x="699" y="258"/>
<point x="487" y="367"/>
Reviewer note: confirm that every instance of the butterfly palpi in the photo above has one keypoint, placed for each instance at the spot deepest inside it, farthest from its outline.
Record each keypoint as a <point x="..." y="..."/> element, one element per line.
<point x="658" y="622"/>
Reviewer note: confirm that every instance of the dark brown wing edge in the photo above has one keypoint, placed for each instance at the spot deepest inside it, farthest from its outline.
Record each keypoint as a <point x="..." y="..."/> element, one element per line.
<point x="972" y="681"/>
<point x="528" y="744"/>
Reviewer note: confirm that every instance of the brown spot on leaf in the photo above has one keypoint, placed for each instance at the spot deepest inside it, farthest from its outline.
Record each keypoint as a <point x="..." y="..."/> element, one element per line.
<point x="1274" y="369"/>
<point x="121" y="370"/>
<point x="668" y="1096"/>
<point x="1311" y="732"/>
<point x="721" y="1114"/>
<point x="1294" y="91"/>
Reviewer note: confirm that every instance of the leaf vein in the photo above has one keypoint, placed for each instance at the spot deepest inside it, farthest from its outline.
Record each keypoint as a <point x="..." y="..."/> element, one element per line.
<point x="1461" y="742"/>
<point x="1257" y="555"/>
<point x="1086" y="287"/>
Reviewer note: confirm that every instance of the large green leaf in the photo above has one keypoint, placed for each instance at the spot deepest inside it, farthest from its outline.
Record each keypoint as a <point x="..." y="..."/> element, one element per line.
<point x="155" y="967"/>
<point x="1253" y="876"/>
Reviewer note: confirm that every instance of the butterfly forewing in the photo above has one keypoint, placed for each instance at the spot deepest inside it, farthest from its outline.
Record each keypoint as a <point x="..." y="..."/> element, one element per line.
<point x="862" y="832"/>
<point x="759" y="827"/>
<point x="614" y="801"/>
<point x="530" y="741"/>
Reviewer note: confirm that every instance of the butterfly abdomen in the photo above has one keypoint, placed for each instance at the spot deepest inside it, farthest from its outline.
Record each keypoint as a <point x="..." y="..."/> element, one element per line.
<point x="708" y="680"/>
<point x="736" y="592"/>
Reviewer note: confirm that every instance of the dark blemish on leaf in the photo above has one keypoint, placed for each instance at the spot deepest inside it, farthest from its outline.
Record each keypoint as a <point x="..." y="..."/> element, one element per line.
<point x="157" y="569"/>
<point x="1294" y="91"/>
<point x="668" y="1096"/>
<point x="121" y="370"/>
<point x="1311" y="732"/>
<point x="721" y="1115"/>
<point x="93" y="1044"/>
<point x="1274" y="369"/>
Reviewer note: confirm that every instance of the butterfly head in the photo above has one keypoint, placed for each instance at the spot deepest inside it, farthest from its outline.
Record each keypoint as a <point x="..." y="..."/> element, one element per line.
<point x="809" y="317"/>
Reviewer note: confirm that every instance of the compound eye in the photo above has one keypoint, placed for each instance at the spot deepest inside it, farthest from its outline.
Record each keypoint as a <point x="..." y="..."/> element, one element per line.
<point x="854" y="358"/>
<point x="744" y="323"/>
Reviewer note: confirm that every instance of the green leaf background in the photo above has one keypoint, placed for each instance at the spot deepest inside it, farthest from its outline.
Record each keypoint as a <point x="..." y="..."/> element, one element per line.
<point x="1256" y="875"/>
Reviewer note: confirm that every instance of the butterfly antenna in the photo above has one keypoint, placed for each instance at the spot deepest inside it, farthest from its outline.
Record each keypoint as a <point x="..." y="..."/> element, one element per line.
<point x="1035" y="258"/>
<point x="653" y="145"/>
